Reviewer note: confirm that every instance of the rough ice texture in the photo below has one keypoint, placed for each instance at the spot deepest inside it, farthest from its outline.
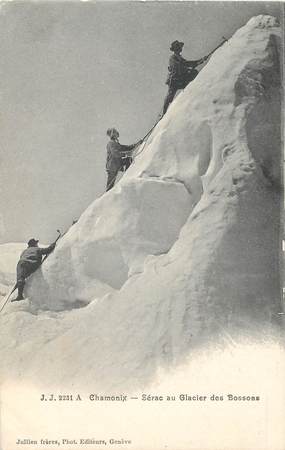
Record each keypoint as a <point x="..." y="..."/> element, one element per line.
<point x="186" y="244"/>
<point x="111" y="241"/>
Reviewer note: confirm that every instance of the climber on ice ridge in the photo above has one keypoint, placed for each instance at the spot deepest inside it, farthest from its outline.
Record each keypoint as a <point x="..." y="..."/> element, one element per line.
<point x="118" y="156"/>
<point x="181" y="72"/>
<point x="30" y="260"/>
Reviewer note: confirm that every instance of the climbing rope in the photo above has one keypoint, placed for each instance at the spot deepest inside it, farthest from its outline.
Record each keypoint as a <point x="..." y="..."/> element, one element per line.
<point x="145" y="138"/>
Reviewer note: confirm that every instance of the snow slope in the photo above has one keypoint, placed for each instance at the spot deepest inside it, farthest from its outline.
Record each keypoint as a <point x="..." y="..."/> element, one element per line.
<point x="183" y="250"/>
<point x="225" y="125"/>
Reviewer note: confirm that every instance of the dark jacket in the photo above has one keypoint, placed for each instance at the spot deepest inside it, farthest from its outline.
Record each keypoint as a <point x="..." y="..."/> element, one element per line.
<point x="178" y="67"/>
<point x="34" y="254"/>
<point x="115" y="151"/>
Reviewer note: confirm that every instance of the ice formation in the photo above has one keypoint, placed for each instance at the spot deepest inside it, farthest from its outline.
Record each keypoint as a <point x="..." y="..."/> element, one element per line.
<point x="184" y="248"/>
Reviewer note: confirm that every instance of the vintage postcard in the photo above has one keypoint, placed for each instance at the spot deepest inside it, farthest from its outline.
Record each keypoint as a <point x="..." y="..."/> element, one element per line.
<point x="141" y="225"/>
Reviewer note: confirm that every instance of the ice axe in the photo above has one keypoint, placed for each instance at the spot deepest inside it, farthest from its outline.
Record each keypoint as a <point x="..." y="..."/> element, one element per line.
<point x="216" y="48"/>
<point x="8" y="296"/>
<point x="60" y="234"/>
<point x="58" y="237"/>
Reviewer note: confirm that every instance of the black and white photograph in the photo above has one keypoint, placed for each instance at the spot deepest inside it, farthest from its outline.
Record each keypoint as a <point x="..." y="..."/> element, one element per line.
<point x="141" y="225"/>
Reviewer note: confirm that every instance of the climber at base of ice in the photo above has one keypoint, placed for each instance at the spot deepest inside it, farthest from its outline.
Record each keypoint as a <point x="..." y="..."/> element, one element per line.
<point x="181" y="72"/>
<point x="29" y="262"/>
<point x="118" y="157"/>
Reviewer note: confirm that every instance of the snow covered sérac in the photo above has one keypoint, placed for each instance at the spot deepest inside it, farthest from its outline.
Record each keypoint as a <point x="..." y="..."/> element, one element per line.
<point x="184" y="247"/>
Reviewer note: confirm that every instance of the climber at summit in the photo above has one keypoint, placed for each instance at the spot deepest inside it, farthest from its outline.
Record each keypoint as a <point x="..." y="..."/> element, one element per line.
<point x="118" y="157"/>
<point x="30" y="260"/>
<point x="181" y="72"/>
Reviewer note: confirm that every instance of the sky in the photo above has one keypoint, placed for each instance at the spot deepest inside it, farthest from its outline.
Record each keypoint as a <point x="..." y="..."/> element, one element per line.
<point x="69" y="71"/>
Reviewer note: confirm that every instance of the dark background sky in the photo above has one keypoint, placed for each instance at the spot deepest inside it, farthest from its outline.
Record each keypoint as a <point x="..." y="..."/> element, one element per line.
<point x="70" y="70"/>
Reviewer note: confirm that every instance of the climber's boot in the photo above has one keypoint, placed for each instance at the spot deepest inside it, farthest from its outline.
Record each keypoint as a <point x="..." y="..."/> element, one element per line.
<point x="20" y="296"/>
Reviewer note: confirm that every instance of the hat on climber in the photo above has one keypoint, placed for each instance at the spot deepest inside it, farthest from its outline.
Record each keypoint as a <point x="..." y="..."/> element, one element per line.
<point x="32" y="242"/>
<point x="175" y="45"/>
<point x="111" y="132"/>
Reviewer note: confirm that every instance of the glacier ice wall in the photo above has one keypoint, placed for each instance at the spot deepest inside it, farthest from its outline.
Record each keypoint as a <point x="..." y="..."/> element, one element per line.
<point x="186" y="245"/>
